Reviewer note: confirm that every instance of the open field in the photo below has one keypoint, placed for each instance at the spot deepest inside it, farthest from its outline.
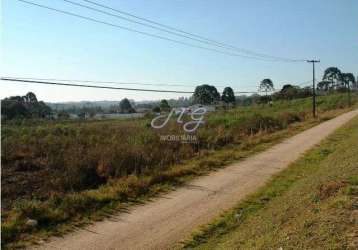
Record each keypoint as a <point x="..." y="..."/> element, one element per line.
<point x="311" y="205"/>
<point x="165" y="221"/>
<point x="73" y="170"/>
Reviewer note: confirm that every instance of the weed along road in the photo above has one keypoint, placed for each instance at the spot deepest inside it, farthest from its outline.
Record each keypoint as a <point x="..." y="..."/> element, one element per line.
<point x="165" y="221"/>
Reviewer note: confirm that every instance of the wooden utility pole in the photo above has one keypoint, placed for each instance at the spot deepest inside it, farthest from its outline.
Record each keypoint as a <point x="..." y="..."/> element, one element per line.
<point x="313" y="87"/>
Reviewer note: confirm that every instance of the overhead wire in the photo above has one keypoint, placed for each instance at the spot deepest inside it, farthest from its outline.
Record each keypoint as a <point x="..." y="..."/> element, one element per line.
<point x="93" y="86"/>
<point x="169" y="30"/>
<point x="228" y="46"/>
<point x="120" y="83"/>
<point x="145" y="33"/>
<point x="111" y="82"/>
<point x="104" y="87"/>
<point x="72" y="82"/>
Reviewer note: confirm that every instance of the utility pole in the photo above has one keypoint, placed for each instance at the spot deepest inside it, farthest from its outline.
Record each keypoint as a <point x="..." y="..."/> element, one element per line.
<point x="313" y="87"/>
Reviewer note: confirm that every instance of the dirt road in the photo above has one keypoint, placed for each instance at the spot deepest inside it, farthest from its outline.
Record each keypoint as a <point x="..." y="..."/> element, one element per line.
<point x="166" y="220"/>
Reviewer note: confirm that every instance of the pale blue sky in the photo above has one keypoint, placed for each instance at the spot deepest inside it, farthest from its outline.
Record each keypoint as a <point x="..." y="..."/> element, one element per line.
<point x="43" y="44"/>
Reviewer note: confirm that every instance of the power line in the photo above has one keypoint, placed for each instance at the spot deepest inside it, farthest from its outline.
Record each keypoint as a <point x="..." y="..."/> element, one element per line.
<point x="94" y="86"/>
<point x="47" y="81"/>
<point x="132" y="83"/>
<point x="141" y="32"/>
<point x="181" y="34"/>
<point x="146" y="25"/>
<point x="149" y="34"/>
<point x="211" y="41"/>
<point x="101" y="82"/>
<point x="119" y="83"/>
<point x="109" y="82"/>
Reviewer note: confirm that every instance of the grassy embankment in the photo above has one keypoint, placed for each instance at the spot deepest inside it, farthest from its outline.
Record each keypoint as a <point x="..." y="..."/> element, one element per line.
<point x="311" y="205"/>
<point x="71" y="173"/>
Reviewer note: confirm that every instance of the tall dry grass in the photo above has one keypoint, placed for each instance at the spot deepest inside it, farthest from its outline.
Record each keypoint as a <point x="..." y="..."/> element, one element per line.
<point x="46" y="164"/>
<point x="72" y="156"/>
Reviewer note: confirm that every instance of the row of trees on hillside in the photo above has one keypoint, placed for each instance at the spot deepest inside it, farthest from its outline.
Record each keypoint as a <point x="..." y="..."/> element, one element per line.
<point x="289" y="92"/>
<point x="334" y="79"/>
<point x="207" y="94"/>
<point x="27" y="106"/>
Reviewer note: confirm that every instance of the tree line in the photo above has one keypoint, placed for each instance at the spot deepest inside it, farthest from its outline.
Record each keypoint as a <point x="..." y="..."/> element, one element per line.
<point x="334" y="79"/>
<point x="24" y="107"/>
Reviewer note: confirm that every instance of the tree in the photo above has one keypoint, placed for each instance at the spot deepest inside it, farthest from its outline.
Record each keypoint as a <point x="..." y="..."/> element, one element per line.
<point x="323" y="85"/>
<point x="13" y="107"/>
<point x="348" y="79"/>
<point x="20" y="107"/>
<point x="156" y="109"/>
<point x="334" y="76"/>
<point x="266" y="85"/>
<point x="228" y="96"/>
<point x="164" y="105"/>
<point x="41" y="110"/>
<point x="30" y="98"/>
<point x="305" y="92"/>
<point x="125" y="106"/>
<point x="289" y="91"/>
<point x="206" y="94"/>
